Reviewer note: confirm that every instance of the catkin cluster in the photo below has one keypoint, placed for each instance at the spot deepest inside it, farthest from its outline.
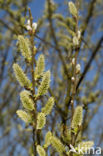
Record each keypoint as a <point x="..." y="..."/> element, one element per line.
<point x="29" y="99"/>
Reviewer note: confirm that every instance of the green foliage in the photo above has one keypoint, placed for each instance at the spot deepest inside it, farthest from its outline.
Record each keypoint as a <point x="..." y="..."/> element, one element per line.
<point x="48" y="107"/>
<point x="21" y="77"/>
<point x="41" y="120"/>
<point x="44" y="84"/>
<point x="26" y="100"/>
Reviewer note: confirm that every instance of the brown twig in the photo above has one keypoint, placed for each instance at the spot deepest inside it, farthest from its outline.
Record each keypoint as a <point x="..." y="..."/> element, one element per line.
<point x="32" y="73"/>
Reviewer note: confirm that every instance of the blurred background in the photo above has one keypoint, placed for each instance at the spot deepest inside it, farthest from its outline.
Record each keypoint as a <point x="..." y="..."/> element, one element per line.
<point x="15" y="136"/>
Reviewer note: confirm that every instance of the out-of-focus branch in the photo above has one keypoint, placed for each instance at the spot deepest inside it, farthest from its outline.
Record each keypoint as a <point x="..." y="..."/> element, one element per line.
<point x="94" y="53"/>
<point x="89" y="16"/>
<point x="90" y="62"/>
<point x="2" y="68"/>
<point x="55" y="39"/>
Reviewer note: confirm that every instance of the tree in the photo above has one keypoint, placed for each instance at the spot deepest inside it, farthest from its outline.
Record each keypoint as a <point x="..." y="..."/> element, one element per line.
<point x="61" y="109"/>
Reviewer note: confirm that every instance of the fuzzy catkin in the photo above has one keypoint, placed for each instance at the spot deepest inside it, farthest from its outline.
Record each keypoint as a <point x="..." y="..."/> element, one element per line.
<point x="85" y="146"/>
<point x="24" y="47"/>
<point x="48" y="107"/>
<point x="44" y="84"/>
<point x="77" y="117"/>
<point x="21" y="77"/>
<point x="48" y="139"/>
<point x="56" y="143"/>
<point x="23" y="115"/>
<point x="41" y="150"/>
<point x="41" y="120"/>
<point x="73" y="9"/>
<point x="26" y="100"/>
<point x="40" y="65"/>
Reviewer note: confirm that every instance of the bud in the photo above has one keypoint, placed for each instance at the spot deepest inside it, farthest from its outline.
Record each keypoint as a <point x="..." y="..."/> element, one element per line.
<point x="75" y="41"/>
<point x="73" y="61"/>
<point x="34" y="25"/>
<point x="78" y="68"/>
<point x="72" y="101"/>
<point x="28" y="22"/>
<point x="28" y="27"/>
<point x="79" y="34"/>
<point x="73" y="79"/>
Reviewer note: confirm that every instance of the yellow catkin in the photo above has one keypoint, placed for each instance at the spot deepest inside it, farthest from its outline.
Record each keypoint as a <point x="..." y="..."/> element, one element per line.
<point x="21" y="77"/>
<point x="41" y="120"/>
<point x="40" y="66"/>
<point x="73" y="9"/>
<point x="56" y="143"/>
<point x="26" y="100"/>
<point x="48" y="107"/>
<point x="47" y="139"/>
<point x="41" y="150"/>
<point x="24" y="47"/>
<point x="77" y="117"/>
<point x="85" y="146"/>
<point x="44" y="84"/>
<point x="23" y="116"/>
